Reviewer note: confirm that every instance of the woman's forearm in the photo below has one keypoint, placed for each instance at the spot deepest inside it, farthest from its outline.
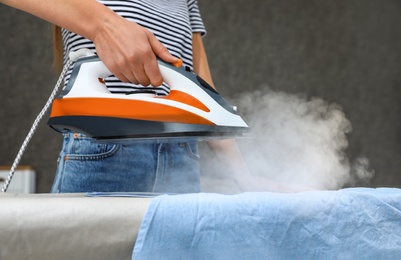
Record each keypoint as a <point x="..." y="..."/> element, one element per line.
<point x="199" y="59"/>
<point x="84" y="17"/>
<point x="128" y="50"/>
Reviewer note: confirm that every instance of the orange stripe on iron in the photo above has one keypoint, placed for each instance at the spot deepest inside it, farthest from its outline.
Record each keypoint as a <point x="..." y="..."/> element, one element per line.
<point x="186" y="99"/>
<point x="124" y="108"/>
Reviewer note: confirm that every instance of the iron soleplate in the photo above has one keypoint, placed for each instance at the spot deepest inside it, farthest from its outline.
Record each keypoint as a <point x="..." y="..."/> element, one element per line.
<point x="126" y="130"/>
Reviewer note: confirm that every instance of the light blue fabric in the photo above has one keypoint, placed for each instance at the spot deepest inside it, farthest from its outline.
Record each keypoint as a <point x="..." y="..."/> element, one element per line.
<point x="354" y="223"/>
<point x="152" y="166"/>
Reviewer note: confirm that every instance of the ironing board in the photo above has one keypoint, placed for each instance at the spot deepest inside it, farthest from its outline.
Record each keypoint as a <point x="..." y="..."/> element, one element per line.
<point x="68" y="226"/>
<point x="355" y="223"/>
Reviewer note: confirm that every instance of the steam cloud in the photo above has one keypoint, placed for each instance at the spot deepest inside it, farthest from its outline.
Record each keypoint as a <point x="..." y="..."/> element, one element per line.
<point x="294" y="140"/>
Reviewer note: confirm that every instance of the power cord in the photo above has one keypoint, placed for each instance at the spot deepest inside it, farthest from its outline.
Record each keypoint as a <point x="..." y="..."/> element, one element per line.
<point x="34" y="126"/>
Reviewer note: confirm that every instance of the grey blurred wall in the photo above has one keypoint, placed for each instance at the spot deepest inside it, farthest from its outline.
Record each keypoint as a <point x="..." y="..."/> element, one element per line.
<point x="345" y="51"/>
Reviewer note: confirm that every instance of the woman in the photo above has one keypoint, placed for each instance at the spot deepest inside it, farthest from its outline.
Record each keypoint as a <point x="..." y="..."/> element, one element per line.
<point x="156" y="166"/>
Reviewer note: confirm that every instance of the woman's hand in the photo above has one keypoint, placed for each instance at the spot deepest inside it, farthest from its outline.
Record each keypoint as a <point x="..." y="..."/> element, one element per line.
<point x="129" y="51"/>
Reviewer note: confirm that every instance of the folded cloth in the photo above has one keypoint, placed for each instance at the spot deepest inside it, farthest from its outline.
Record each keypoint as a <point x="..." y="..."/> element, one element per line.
<point x="354" y="223"/>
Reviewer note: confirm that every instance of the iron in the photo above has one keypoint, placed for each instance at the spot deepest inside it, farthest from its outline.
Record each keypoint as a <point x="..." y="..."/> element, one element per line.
<point x="193" y="109"/>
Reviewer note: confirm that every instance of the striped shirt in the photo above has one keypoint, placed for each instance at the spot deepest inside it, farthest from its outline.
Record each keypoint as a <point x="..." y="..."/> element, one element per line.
<point x="171" y="21"/>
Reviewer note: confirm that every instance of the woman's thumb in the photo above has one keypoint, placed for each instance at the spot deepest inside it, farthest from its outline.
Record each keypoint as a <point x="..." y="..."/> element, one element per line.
<point x="161" y="51"/>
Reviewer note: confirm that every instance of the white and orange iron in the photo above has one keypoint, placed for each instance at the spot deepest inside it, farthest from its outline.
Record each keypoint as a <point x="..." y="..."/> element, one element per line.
<point x="192" y="109"/>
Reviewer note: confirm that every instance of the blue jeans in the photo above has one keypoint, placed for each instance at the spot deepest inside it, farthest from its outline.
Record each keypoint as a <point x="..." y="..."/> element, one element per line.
<point x="151" y="166"/>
